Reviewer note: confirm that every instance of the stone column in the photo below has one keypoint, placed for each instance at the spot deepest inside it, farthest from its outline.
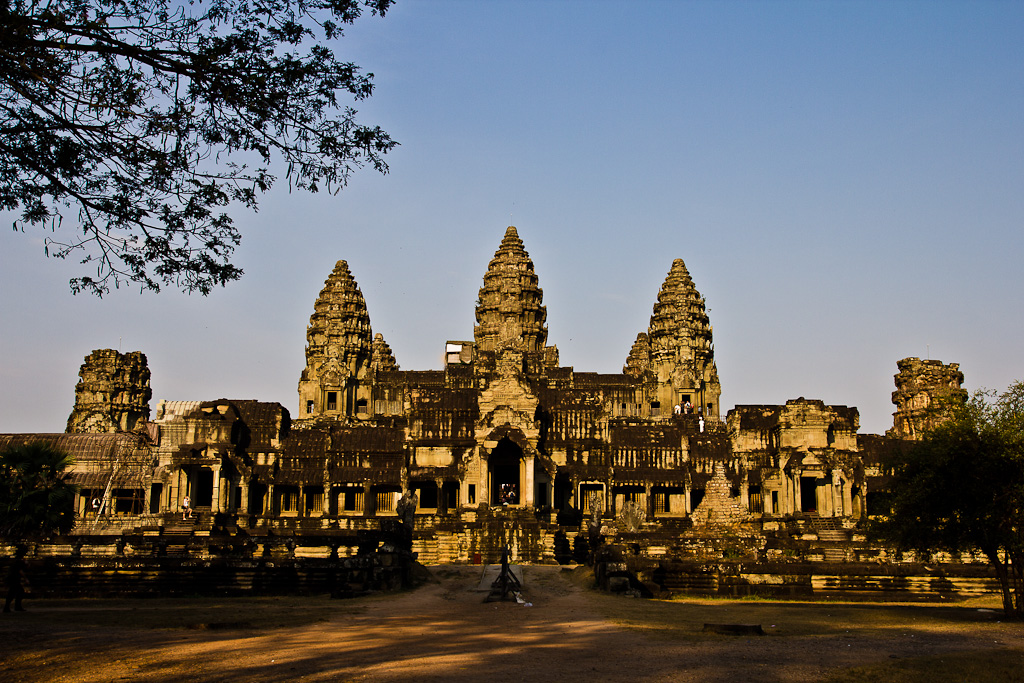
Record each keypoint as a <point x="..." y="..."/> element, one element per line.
<point x="174" y="492"/>
<point x="369" y="501"/>
<point x="243" y="504"/>
<point x="484" y="495"/>
<point x="529" y="494"/>
<point x="216" y="502"/>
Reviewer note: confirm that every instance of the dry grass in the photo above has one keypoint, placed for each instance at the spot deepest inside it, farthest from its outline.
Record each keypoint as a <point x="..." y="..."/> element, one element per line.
<point x="983" y="666"/>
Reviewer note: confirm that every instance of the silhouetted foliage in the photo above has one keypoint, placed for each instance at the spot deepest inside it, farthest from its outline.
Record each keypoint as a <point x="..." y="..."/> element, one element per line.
<point x="140" y="118"/>
<point x="961" y="488"/>
<point x="36" y="498"/>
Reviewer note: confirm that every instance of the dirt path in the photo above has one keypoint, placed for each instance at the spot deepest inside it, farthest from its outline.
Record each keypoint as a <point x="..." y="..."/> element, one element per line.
<point x="445" y="632"/>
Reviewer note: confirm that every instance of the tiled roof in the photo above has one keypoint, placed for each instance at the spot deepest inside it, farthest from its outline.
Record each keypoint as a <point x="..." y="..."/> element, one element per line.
<point x="81" y="447"/>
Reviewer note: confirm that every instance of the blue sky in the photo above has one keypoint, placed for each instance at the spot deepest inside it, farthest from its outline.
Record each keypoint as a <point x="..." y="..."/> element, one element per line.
<point x="844" y="180"/>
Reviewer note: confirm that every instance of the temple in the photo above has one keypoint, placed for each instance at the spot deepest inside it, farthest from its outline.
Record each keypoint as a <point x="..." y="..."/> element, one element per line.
<point x="503" y="447"/>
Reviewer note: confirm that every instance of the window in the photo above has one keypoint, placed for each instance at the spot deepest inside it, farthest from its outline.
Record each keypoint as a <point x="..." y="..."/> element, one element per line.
<point x="361" y="406"/>
<point x="352" y="499"/>
<point x="471" y="494"/>
<point x="756" y="500"/>
<point x="386" y="501"/>
<point x="314" y="501"/>
<point x="661" y="503"/>
<point x="309" y="406"/>
<point x="427" y="494"/>
<point x="288" y="499"/>
<point x="655" y="408"/>
<point x="332" y="400"/>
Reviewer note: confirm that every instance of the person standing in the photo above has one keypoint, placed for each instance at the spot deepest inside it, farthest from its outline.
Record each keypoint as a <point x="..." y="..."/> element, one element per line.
<point x="16" y="583"/>
<point x="186" y="508"/>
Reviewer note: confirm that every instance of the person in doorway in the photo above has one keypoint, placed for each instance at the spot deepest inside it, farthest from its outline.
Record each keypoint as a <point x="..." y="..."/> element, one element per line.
<point x="17" y="583"/>
<point x="186" y="508"/>
<point x="688" y="408"/>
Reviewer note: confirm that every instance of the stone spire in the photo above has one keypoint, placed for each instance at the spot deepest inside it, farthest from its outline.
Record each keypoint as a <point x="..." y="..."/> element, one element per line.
<point x="509" y="312"/>
<point x="682" y="350"/>
<point x="638" y="363"/>
<point x="927" y="394"/>
<point x="339" y="347"/>
<point x="383" y="360"/>
<point x="112" y="395"/>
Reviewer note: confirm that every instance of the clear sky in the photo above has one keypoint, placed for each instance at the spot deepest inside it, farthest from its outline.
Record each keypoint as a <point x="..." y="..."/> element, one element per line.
<point x="844" y="180"/>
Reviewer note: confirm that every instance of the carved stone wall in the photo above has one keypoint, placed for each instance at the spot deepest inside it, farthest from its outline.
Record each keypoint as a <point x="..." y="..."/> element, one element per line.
<point x="927" y="393"/>
<point x="112" y="394"/>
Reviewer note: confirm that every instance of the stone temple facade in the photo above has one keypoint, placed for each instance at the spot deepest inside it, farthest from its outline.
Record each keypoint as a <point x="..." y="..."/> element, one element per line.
<point x="503" y="446"/>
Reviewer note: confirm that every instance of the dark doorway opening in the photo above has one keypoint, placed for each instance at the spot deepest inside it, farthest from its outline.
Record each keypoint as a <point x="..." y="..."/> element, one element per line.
<point x="563" y="492"/>
<point x="203" y="494"/>
<point x="808" y="494"/>
<point x="504" y="466"/>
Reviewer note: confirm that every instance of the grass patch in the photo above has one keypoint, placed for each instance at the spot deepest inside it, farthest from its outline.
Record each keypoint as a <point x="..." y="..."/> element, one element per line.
<point x="982" y="666"/>
<point x="192" y="613"/>
<point x="684" y="619"/>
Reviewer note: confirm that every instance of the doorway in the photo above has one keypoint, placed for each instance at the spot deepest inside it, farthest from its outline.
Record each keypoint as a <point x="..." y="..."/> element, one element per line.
<point x="504" y="470"/>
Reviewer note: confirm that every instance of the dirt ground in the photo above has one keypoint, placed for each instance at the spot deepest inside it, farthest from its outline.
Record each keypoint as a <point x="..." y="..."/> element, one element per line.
<point x="445" y="632"/>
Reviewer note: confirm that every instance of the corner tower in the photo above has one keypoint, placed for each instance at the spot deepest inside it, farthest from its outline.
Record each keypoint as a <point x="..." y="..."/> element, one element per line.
<point x="509" y="312"/>
<point x="339" y="350"/>
<point x="678" y="352"/>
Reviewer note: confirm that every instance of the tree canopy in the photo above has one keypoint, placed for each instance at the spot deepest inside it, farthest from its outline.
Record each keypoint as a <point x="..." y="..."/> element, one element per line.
<point x="961" y="488"/>
<point x="128" y="127"/>
<point x="36" y="498"/>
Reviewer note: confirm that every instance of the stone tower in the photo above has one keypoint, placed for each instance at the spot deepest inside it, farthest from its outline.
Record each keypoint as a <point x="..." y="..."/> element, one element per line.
<point x="509" y="311"/>
<point x="927" y="393"/>
<point x="339" y="350"/>
<point x="112" y="395"/>
<point x="678" y="349"/>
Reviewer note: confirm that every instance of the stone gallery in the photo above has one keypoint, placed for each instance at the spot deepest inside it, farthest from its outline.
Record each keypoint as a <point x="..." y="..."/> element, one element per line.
<point x="503" y="447"/>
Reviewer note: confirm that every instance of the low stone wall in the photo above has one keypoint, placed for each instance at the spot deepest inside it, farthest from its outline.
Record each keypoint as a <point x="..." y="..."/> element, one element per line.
<point x="845" y="580"/>
<point x="69" y="577"/>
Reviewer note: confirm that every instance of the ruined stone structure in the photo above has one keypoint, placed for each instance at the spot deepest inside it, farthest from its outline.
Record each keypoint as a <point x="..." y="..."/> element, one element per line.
<point x="502" y="447"/>
<point x="927" y="393"/>
<point x="113" y="393"/>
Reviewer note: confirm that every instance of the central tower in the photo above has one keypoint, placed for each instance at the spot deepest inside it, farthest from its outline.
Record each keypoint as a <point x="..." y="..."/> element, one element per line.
<point x="509" y="312"/>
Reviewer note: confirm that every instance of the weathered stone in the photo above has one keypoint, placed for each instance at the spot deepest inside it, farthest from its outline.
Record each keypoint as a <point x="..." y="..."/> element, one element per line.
<point x="927" y="393"/>
<point x="112" y="395"/>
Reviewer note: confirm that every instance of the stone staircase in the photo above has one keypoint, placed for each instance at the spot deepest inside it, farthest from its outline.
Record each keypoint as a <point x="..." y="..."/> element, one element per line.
<point x="177" y="534"/>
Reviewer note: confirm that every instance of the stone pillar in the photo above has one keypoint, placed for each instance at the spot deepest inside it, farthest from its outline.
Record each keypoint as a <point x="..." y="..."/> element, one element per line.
<point x="484" y="495"/>
<point x="369" y="501"/>
<point x="215" y="503"/>
<point x="268" y="507"/>
<point x="529" y="493"/>
<point x="243" y="504"/>
<point x="174" y="494"/>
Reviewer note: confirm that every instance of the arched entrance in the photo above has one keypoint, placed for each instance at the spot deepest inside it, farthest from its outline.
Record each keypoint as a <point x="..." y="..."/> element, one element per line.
<point x="504" y="469"/>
